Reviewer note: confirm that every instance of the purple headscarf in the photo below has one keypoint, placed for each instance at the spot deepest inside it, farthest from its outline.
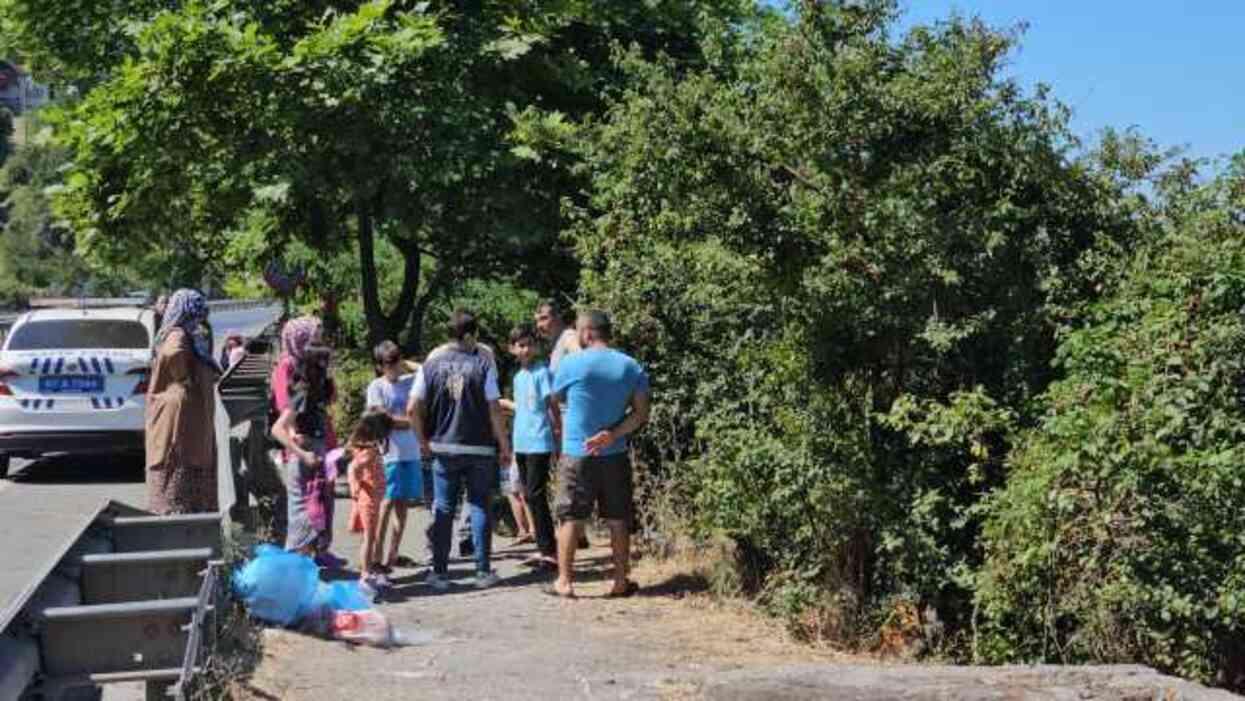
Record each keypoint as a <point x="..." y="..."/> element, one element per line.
<point x="186" y="310"/>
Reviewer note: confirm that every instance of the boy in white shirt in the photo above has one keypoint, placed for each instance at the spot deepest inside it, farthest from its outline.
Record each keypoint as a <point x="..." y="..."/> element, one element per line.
<point x="390" y="393"/>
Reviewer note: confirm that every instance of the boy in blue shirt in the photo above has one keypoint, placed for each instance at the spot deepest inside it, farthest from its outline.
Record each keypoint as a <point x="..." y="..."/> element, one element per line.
<point x="607" y="399"/>
<point x="535" y="424"/>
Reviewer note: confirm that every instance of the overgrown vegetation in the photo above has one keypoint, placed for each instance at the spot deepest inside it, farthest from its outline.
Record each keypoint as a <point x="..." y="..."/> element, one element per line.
<point x="916" y="350"/>
<point x="1117" y="536"/>
<point x="37" y="252"/>
<point x="854" y="266"/>
<point x="840" y="257"/>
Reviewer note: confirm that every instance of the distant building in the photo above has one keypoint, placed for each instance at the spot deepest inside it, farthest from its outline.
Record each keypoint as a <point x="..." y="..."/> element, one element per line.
<point x="18" y="91"/>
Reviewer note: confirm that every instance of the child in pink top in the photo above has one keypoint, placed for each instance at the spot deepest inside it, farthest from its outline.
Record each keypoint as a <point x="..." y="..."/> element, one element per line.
<point x="368" y="444"/>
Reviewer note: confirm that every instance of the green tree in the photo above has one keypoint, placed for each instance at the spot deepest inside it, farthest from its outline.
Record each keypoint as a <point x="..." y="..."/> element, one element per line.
<point x="235" y="128"/>
<point x="37" y="253"/>
<point x="842" y="255"/>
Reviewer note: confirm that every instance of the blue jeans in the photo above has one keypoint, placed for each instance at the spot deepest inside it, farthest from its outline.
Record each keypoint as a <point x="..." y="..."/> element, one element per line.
<point x="464" y="529"/>
<point x="449" y="472"/>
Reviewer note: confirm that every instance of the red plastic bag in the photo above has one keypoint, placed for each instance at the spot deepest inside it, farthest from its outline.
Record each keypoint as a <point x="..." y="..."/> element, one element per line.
<point x="362" y="628"/>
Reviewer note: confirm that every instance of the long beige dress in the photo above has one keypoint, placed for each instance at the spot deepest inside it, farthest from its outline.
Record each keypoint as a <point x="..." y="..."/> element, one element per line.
<point x="181" y="446"/>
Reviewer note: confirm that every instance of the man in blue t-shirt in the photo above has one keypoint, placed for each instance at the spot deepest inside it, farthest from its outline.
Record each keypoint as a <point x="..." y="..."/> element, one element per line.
<point x="606" y="394"/>
<point x="390" y="393"/>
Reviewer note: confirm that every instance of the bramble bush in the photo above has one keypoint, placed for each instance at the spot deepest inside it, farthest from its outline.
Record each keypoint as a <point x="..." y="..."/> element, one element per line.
<point x="1119" y="536"/>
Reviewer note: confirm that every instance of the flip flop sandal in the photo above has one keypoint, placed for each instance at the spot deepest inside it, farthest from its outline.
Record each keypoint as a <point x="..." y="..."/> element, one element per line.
<point x="628" y="592"/>
<point x="524" y="540"/>
<point x="552" y="591"/>
<point x="541" y="564"/>
<point x="404" y="562"/>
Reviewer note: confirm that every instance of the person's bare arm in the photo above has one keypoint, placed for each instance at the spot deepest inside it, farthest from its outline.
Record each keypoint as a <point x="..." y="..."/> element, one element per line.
<point x="507" y="405"/>
<point x="499" y="432"/>
<point x="415" y="413"/>
<point x="375" y="402"/>
<point x="400" y="421"/>
<point x="555" y="415"/>
<point x="634" y="421"/>
<point x="283" y="431"/>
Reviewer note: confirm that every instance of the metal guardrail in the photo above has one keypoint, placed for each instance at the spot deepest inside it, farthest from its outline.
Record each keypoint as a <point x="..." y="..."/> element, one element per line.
<point x="137" y="612"/>
<point x="208" y="602"/>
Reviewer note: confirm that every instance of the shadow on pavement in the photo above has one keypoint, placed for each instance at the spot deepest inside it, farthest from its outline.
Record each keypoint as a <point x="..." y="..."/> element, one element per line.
<point x="80" y="469"/>
<point x="677" y="586"/>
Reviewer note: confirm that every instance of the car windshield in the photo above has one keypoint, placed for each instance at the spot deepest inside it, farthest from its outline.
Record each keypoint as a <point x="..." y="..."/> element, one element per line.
<point x="79" y="334"/>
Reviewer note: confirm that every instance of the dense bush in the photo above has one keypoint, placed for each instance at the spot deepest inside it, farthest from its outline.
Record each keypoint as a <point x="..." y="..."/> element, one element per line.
<point x="837" y="254"/>
<point x="353" y="372"/>
<point x="1119" y="534"/>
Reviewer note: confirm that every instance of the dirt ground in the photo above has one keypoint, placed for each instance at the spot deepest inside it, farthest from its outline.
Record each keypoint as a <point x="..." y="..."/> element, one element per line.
<point x="670" y="642"/>
<point x="515" y="642"/>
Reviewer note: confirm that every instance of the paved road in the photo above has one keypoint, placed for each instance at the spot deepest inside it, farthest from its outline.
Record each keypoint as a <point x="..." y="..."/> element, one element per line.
<point x="247" y="322"/>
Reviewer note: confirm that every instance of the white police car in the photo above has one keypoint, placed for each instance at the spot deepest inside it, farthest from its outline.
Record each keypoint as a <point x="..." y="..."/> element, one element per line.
<point x="73" y="381"/>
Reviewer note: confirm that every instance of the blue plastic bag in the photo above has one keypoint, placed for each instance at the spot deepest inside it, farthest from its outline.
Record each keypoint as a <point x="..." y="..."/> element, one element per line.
<point x="277" y="586"/>
<point x="342" y="596"/>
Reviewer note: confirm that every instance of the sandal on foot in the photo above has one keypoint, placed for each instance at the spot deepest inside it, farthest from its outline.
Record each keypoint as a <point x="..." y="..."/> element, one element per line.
<point x="627" y="592"/>
<point x="553" y="591"/>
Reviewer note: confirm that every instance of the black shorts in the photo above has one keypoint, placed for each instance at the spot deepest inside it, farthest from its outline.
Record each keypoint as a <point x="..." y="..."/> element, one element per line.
<point x="602" y="481"/>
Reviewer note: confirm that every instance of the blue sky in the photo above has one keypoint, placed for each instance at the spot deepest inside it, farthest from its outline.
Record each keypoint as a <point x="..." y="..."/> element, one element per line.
<point x="1175" y="70"/>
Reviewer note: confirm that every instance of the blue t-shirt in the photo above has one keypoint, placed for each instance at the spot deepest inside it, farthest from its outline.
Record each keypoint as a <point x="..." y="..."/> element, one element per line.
<point x="597" y="385"/>
<point x="392" y="397"/>
<point x="533" y="431"/>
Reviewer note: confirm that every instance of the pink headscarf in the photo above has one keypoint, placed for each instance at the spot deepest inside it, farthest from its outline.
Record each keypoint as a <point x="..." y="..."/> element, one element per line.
<point x="297" y="335"/>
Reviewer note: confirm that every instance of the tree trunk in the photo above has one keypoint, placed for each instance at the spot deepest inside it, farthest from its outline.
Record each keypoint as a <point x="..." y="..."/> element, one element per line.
<point x="381" y="326"/>
<point x="370" y="284"/>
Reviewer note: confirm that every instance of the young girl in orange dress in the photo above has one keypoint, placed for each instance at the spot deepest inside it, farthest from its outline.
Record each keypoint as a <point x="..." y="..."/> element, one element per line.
<point x="368" y="445"/>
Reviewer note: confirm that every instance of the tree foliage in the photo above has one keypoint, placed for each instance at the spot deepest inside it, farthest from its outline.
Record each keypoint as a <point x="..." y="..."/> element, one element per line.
<point x="37" y="252"/>
<point x="843" y="257"/>
<point x="911" y="342"/>
<point x="236" y="128"/>
<point x="1118" y="534"/>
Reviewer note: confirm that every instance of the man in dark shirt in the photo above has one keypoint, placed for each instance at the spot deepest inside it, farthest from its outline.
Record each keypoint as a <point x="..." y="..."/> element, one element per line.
<point x="457" y="415"/>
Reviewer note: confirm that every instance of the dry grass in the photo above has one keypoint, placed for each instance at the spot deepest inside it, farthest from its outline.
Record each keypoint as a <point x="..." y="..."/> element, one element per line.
<point x="678" y="605"/>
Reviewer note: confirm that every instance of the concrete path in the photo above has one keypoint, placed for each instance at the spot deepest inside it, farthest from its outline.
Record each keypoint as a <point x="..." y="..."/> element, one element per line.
<point x="669" y="642"/>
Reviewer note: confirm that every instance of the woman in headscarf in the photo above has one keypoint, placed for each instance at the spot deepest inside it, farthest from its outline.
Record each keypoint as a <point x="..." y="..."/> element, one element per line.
<point x="181" y="444"/>
<point x="302" y="391"/>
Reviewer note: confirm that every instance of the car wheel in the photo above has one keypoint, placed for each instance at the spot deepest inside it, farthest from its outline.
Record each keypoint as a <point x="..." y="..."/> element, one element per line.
<point x="4" y="465"/>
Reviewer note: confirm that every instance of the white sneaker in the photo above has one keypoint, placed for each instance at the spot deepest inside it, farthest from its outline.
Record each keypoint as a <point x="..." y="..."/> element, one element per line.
<point x="439" y="582"/>
<point x="486" y="580"/>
